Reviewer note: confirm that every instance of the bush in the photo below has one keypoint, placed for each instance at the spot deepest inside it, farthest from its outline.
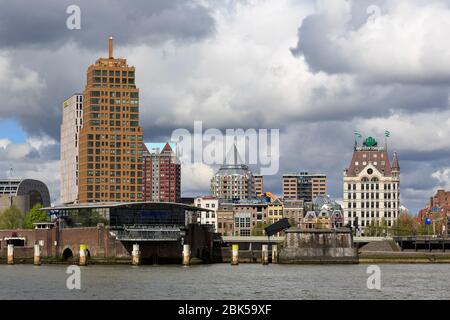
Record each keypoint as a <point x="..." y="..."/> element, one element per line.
<point x="11" y="218"/>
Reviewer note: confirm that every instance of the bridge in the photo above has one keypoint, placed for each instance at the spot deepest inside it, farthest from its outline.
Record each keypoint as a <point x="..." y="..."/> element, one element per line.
<point x="428" y="243"/>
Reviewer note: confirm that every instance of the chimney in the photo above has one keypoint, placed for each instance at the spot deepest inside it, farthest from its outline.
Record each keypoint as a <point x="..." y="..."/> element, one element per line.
<point x="111" y="47"/>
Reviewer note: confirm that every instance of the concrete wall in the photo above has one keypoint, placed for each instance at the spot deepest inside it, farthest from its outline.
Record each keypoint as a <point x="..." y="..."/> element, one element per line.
<point x="318" y="246"/>
<point x="21" y="202"/>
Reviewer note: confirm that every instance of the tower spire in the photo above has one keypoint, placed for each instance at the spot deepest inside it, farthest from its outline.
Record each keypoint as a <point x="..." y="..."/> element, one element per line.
<point x="110" y="49"/>
<point x="395" y="164"/>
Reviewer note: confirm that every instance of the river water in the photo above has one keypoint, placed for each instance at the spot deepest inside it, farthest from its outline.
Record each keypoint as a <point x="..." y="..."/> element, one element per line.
<point x="222" y="281"/>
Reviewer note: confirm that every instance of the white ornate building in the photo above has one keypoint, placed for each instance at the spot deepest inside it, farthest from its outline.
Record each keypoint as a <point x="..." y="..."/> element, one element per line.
<point x="371" y="186"/>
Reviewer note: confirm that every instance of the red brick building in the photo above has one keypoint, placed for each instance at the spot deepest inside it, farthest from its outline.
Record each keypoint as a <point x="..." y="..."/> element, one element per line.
<point x="162" y="174"/>
<point x="439" y="204"/>
<point x="440" y="199"/>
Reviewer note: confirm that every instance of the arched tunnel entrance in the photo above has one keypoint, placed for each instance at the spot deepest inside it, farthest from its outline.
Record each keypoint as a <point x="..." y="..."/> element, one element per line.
<point x="67" y="254"/>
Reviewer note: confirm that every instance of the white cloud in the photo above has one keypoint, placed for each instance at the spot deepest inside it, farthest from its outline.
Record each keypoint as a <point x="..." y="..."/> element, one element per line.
<point x="4" y="143"/>
<point x="196" y="179"/>
<point x="421" y="132"/>
<point x="443" y="177"/>
<point x="405" y="43"/>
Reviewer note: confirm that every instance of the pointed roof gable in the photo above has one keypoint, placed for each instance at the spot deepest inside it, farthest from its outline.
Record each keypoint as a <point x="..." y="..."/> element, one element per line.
<point x="233" y="157"/>
<point x="167" y="148"/>
<point x="378" y="159"/>
<point x="395" y="164"/>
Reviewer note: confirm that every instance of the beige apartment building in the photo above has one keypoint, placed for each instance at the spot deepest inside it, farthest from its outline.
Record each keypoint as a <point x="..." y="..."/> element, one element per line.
<point x="259" y="184"/>
<point x="304" y="186"/>
<point x="72" y="122"/>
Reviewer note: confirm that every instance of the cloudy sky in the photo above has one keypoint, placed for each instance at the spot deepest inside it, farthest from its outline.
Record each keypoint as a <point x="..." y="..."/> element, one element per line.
<point x="316" y="70"/>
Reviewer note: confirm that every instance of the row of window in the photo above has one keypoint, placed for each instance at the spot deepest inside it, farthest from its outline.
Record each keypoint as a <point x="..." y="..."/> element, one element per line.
<point x="124" y="159"/>
<point x="98" y="195"/>
<point x="98" y="173"/>
<point x="117" y="94"/>
<point x="372" y="186"/>
<point x="372" y="214"/>
<point x="96" y="101"/>
<point x="119" y="124"/>
<point x="114" y="188"/>
<point x="115" y="181"/>
<point x="113" y="80"/>
<point x="372" y="205"/>
<point x="371" y="196"/>
<point x="117" y="73"/>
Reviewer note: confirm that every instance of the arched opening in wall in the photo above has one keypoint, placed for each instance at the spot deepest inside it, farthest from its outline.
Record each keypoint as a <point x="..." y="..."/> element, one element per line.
<point x="67" y="254"/>
<point x="35" y="198"/>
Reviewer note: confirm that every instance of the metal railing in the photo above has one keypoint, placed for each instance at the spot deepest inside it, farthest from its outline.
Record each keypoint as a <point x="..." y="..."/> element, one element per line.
<point x="148" y="233"/>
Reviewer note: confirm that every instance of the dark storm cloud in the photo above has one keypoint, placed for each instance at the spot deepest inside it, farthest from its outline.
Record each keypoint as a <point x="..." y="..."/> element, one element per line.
<point x="366" y="101"/>
<point x="43" y="23"/>
<point x="33" y="35"/>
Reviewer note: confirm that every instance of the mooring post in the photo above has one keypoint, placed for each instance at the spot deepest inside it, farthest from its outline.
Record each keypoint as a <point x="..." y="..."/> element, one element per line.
<point x="83" y="255"/>
<point x="265" y="254"/>
<point x="186" y="255"/>
<point x="136" y="255"/>
<point x="37" y="255"/>
<point x="274" y="253"/>
<point x="234" y="255"/>
<point x="10" y="254"/>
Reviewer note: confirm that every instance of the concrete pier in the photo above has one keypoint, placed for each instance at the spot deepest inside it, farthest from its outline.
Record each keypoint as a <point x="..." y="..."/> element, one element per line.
<point x="234" y="255"/>
<point x="136" y="255"/>
<point x="10" y="254"/>
<point x="274" y="253"/>
<point x="265" y="254"/>
<point x="37" y="255"/>
<point x="186" y="255"/>
<point x="83" y="255"/>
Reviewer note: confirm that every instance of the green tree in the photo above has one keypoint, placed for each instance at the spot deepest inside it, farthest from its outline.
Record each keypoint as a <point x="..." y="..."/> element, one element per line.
<point x="370" y="230"/>
<point x="424" y="229"/>
<point x="405" y="225"/>
<point x="35" y="215"/>
<point x="11" y="218"/>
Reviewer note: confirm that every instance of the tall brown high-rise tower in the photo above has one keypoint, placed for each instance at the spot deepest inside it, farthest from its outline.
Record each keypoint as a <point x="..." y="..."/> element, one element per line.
<point x="110" y="152"/>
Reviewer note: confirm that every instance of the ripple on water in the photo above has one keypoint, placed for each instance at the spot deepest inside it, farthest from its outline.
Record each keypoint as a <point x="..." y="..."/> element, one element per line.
<point x="222" y="281"/>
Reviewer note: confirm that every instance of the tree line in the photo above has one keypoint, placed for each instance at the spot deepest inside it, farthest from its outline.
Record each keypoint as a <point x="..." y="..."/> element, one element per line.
<point x="14" y="218"/>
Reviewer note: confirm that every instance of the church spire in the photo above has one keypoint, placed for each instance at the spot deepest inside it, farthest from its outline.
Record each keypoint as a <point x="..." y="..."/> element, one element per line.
<point x="395" y="164"/>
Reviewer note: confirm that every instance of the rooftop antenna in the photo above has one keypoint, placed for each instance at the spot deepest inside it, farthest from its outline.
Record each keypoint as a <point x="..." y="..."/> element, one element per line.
<point x="110" y="49"/>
